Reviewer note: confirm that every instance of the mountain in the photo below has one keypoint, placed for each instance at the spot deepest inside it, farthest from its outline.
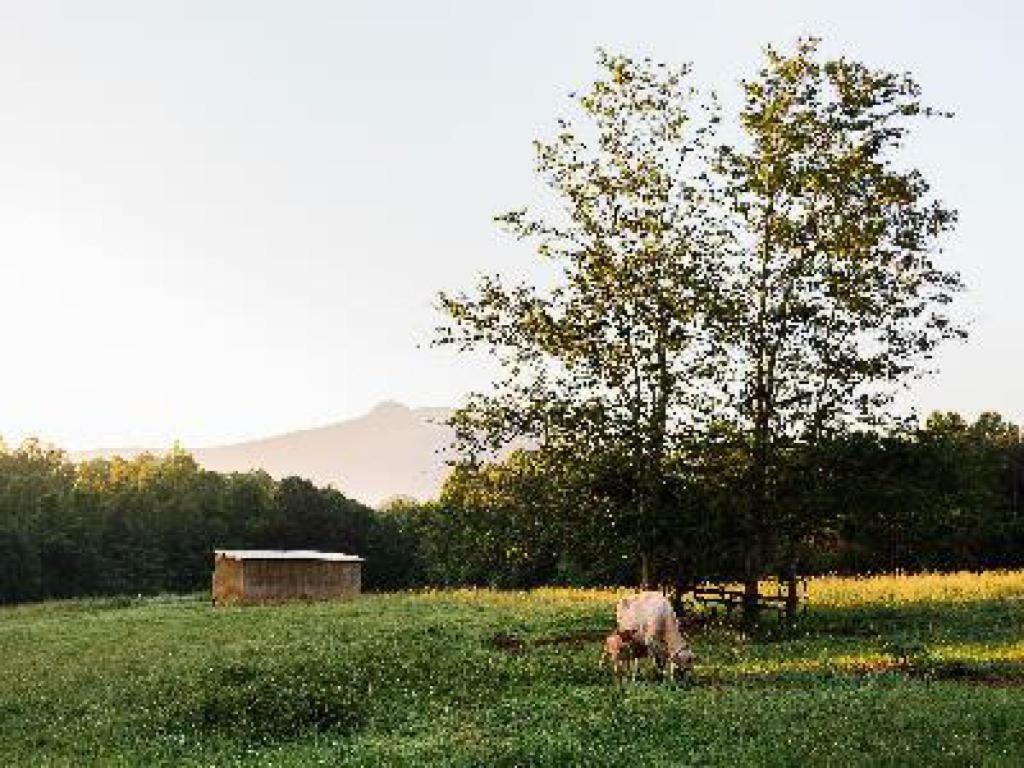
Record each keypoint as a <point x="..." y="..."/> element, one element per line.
<point x="393" y="450"/>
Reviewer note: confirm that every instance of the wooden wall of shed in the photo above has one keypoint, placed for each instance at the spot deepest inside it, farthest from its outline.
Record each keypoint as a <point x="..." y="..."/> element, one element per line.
<point x="278" y="580"/>
<point x="228" y="581"/>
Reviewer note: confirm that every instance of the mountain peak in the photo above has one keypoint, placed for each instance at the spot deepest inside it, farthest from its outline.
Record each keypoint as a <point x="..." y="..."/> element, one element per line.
<point x="393" y="450"/>
<point x="390" y="408"/>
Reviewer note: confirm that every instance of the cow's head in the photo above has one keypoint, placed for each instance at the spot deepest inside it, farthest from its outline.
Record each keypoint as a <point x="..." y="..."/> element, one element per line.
<point x="683" y="660"/>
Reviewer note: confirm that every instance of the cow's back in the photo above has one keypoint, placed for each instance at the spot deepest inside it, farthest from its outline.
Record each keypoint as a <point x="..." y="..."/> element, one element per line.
<point x="650" y="615"/>
<point x="645" y="612"/>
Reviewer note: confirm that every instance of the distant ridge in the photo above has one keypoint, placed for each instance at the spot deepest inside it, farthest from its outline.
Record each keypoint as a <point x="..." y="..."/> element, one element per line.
<point x="391" y="451"/>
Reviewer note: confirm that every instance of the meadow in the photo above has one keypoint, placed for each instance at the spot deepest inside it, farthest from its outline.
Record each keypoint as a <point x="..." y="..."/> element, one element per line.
<point x="921" y="670"/>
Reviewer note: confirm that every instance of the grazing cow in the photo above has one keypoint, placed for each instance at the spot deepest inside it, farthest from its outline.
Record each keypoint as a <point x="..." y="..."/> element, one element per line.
<point x="649" y="616"/>
<point x="623" y="650"/>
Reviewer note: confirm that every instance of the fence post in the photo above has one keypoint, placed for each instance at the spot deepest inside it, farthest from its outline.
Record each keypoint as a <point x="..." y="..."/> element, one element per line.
<point x="792" y="598"/>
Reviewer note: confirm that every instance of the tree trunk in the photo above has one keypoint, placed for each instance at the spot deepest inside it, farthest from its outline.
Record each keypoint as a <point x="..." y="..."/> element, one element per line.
<point x="646" y="569"/>
<point x="751" y="585"/>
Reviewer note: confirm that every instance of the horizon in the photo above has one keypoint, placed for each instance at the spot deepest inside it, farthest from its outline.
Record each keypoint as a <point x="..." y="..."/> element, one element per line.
<point x="225" y="225"/>
<point x="374" y="409"/>
<point x="126" y="451"/>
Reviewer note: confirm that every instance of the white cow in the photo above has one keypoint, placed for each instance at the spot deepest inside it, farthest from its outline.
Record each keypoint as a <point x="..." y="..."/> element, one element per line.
<point x="650" y="616"/>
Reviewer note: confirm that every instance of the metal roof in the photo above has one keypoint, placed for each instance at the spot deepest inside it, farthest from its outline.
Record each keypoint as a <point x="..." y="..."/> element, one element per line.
<point x="286" y="554"/>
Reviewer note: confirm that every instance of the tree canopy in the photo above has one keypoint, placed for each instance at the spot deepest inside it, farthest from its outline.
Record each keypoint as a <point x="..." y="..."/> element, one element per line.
<point x="716" y="298"/>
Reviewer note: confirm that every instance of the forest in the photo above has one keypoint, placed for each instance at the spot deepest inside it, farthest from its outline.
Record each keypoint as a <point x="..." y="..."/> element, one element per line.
<point x="149" y="524"/>
<point x="946" y="496"/>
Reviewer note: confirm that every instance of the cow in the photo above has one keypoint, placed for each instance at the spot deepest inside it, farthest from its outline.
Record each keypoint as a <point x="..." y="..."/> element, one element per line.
<point x="649" y="616"/>
<point x="623" y="650"/>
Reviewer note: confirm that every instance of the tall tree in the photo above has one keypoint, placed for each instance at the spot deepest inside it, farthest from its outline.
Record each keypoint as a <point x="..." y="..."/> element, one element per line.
<point x="837" y="297"/>
<point x="761" y="297"/>
<point x="606" y="361"/>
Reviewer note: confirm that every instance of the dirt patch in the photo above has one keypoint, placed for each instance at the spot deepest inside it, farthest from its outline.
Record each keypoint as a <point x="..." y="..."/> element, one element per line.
<point x="503" y="641"/>
<point x="1003" y="677"/>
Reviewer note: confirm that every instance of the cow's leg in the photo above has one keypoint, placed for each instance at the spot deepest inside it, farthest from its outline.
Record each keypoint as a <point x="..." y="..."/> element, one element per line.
<point x="656" y="652"/>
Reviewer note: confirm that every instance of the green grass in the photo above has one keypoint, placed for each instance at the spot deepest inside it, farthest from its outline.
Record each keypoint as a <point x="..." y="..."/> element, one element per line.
<point x="924" y="671"/>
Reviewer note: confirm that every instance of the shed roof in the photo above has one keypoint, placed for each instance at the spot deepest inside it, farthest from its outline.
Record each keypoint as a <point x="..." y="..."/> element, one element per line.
<point x="286" y="554"/>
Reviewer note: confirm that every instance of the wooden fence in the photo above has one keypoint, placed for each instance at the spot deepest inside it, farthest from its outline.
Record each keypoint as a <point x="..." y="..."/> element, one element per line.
<point x="788" y="597"/>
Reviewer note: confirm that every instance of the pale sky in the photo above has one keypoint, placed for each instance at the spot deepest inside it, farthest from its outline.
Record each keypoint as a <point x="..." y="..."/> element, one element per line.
<point x="223" y="220"/>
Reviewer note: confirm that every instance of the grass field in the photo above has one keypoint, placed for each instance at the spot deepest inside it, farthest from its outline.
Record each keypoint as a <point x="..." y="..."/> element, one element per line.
<point x="884" y="671"/>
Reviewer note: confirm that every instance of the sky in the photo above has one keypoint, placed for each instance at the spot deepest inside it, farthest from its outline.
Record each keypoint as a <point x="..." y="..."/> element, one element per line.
<point x="225" y="220"/>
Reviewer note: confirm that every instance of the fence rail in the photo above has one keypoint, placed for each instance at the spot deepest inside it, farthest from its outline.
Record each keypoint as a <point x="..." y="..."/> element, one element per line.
<point x="783" y="600"/>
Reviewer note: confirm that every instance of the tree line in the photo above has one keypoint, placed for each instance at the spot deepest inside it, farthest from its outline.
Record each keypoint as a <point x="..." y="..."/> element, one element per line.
<point x="150" y="524"/>
<point x="946" y="496"/>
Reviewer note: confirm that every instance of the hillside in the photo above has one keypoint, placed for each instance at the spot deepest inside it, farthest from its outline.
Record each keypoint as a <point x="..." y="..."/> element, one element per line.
<point x="391" y="451"/>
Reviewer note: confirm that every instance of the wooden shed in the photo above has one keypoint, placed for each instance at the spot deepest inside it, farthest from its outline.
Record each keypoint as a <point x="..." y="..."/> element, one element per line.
<point x="247" y="576"/>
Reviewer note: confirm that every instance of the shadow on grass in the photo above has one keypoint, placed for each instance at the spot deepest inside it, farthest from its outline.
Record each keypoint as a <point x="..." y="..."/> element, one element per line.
<point x="264" y="702"/>
<point x="983" y="622"/>
<point x="893" y="671"/>
<point x="986" y="622"/>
